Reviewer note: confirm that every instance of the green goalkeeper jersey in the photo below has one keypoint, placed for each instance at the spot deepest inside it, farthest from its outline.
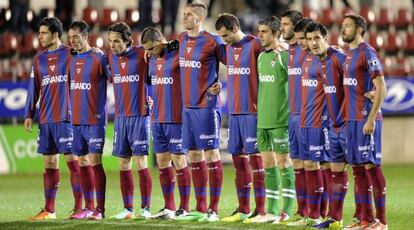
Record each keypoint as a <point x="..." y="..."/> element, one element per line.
<point x="273" y="110"/>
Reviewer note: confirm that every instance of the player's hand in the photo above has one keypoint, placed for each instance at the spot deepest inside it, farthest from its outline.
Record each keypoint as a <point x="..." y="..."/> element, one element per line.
<point x="150" y="102"/>
<point x="97" y="50"/>
<point x="28" y="122"/>
<point x="369" y="127"/>
<point x="215" y="88"/>
<point x="370" y="95"/>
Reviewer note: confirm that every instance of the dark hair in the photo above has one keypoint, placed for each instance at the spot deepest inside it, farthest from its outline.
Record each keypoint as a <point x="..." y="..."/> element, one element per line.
<point x="124" y="30"/>
<point x="293" y="15"/>
<point x="359" y="21"/>
<point x="300" y="26"/>
<point x="272" y="22"/>
<point x="151" y="34"/>
<point x="200" y="6"/>
<point x="316" y="26"/>
<point x="228" y="21"/>
<point x="82" y="26"/>
<point x="53" y="24"/>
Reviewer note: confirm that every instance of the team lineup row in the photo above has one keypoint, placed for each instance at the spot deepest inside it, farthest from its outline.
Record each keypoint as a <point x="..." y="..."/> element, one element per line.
<point x="299" y="111"/>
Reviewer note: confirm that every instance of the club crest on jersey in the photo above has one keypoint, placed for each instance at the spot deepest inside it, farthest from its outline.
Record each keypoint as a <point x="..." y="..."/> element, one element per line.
<point x="273" y="63"/>
<point x="188" y="49"/>
<point x="78" y="70"/>
<point x="236" y="57"/>
<point x="159" y="67"/>
<point x="306" y="69"/>
<point x="123" y="65"/>
<point x="52" y="67"/>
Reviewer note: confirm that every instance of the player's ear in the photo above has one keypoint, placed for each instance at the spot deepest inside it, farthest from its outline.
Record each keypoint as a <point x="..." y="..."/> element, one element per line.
<point x="235" y="29"/>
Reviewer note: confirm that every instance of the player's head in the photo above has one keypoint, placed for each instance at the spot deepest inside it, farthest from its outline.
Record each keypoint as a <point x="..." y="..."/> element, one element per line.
<point x="194" y="15"/>
<point x="316" y="36"/>
<point x="227" y="26"/>
<point x="269" y="30"/>
<point x="119" y="37"/>
<point x="288" y="21"/>
<point x="78" y="35"/>
<point x="50" y="31"/>
<point x="352" y="26"/>
<point x="300" y="32"/>
<point x="153" y="41"/>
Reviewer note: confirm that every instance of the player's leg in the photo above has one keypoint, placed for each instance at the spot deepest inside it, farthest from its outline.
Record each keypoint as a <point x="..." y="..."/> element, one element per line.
<point x="280" y="138"/>
<point x="327" y="185"/>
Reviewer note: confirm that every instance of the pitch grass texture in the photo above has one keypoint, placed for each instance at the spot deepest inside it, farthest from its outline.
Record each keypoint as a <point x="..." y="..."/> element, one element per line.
<point x="21" y="196"/>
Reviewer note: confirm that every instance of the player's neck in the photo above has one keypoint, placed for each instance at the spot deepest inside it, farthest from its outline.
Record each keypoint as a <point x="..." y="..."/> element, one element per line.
<point x="54" y="46"/>
<point x="273" y="46"/>
<point x="239" y="36"/>
<point x="292" y="41"/>
<point x="85" y="49"/>
<point x="355" y="43"/>
<point x="195" y="31"/>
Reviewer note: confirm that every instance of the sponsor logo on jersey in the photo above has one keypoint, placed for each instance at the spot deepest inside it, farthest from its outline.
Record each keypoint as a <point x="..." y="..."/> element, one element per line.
<point x="329" y="89"/>
<point x="65" y="139"/>
<point x="231" y="70"/>
<point x="95" y="140"/>
<point x="189" y="63"/>
<point x="315" y="147"/>
<point x="251" y="139"/>
<point x="280" y="140"/>
<point x="54" y="79"/>
<point x="140" y="142"/>
<point x="118" y="78"/>
<point x="266" y="78"/>
<point x="205" y="136"/>
<point x="80" y="85"/>
<point x="161" y="80"/>
<point x="176" y="141"/>
<point x="309" y="82"/>
<point x="294" y="71"/>
<point x="350" y="81"/>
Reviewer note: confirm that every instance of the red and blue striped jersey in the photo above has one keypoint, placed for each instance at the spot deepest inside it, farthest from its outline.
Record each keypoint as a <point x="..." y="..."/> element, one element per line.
<point x="164" y="72"/>
<point x="199" y="63"/>
<point x="129" y="74"/>
<point x="313" y="113"/>
<point x="296" y="57"/>
<point x="89" y="72"/>
<point x="49" y="82"/>
<point x="333" y="87"/>
<point x="362" y="65"/>
<point x="242" y="77"/>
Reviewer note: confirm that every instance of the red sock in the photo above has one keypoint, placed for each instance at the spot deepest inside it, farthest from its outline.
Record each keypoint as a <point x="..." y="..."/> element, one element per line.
<point x="243" y="182"/>
<point x="327" y="191"/>
<point x="50" y="183"/>
<point x="127" y="188"/>
<point x="363" y="186"/>
<point x="74" y="170"/>
<point x="184" y="187"/>
<point x="358" y="205"/>
<point x="167" y="187"/>
<point x="87" y="179"/>
<point x="379" y="189"/>
<point x="339" y="189"/>
<point x="300" y="186"/>
<point x="314" y="192"/>
<point x="258" y="183"/>
<point x="215" y="171"/>
<point x="200" y="178"/>
<point x="145" y="186"/>
<point x="100" y="187"/>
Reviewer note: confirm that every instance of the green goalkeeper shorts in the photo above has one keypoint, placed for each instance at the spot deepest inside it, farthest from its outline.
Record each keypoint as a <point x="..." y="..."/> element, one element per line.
<point x="273" y="140"/>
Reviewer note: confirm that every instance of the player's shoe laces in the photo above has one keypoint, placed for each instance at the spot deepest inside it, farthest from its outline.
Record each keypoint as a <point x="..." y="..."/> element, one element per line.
<point x="164" y="214"/>
<point x="236" y="216"/>
<point x="376" y="225"/>
<point x="73" y="212"/>
<point x="97" y="215"/>
<point x="44" y="215"/>
<point x="330" y="224"/>
<point x="357" y="224"/>
<point x="145" y="213"/>
<point x="266" y="218"/>
<point x="283" y="218"/>
<point x="124" y="215"/>
<point x="212" y="216"/>
<point x="84" y="214"/>
<point x="192" y="216"/>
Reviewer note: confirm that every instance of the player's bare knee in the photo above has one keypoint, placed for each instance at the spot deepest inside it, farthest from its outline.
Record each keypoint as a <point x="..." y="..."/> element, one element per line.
<point x="163" y="160"/>
<point x="51" y="161"/>
<point x="196" y="155"/>
<point x="125" y="163"/>
<point x="311" y="165"/>
<point x="95" y="159"/>
<point x="338" y="167"/>
<point x="84" y="161"/>
<point x="141" y="162"/>
<point x="297" y="164"/>
<point x="283" y="160"/>
<point x="70" y="157"/>
<point x="269" y="159"/>
<point x="179" y="161"/>
<point x="212" y="155"/>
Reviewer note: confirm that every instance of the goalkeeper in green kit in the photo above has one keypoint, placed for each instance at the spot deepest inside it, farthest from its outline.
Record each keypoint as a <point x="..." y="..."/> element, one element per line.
<point x="272" y="124"/>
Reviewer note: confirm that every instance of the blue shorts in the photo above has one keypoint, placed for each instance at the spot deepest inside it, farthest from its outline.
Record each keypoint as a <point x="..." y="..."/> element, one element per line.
<point x="167" y="138"/>
<point x="337" y="144"/>
<point x="363" y="149"/>
<point x="55" y="138"/>
<point x="88" y="139"/>
<point x="316" y="143"/>
<point x="131" y="135"/>
<point x="201" y="128"/>
<point x="297" y="149"/>
<point x="242" y="134"/>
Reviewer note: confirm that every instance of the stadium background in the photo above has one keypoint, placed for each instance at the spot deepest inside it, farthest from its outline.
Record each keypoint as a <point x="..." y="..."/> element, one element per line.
<point x="391" y="32"/>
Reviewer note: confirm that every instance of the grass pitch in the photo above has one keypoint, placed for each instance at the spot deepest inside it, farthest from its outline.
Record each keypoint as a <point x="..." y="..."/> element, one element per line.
<point x="21" y="196"/>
